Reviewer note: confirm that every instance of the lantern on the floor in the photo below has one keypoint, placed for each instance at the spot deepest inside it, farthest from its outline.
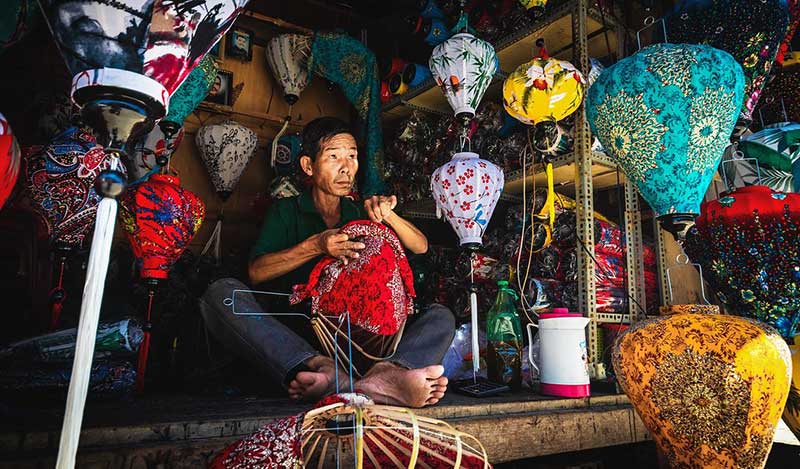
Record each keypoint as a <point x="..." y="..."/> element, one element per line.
<point x="463" y="67"/>
<point x="665" y="115"/>
<point x="466" y="190"/>
<point x="287" y="56"/>
<point x="710" y="388"/>
<point x="183" y="102"/>
<point x="776" y="147"/>
<point x="748" y="242"/>
<point x="160" y="218"/>
<point x="10" y="160"/>
<point x="148" y="154"/>
<point x="534" y="8"/>
<point x="750" y="31"/>
<point x="226" y="148"/>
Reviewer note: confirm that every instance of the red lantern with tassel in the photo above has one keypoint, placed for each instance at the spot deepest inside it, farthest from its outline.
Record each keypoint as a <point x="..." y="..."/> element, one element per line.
<point x="160" y="218"/>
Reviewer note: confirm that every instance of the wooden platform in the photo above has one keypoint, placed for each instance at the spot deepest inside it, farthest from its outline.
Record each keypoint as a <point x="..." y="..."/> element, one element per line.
<point x="186" y="432"/>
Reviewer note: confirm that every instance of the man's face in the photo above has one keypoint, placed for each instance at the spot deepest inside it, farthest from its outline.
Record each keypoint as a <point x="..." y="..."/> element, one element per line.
<point x="334" y="169"/>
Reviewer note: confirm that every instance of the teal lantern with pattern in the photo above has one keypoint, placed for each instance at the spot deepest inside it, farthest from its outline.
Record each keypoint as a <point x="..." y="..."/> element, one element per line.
<point x="189" y="94"/>
<point x="665" y="115"/>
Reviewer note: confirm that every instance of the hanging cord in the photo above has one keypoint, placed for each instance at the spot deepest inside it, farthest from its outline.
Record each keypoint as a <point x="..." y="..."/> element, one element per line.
<point x="278" y="136"/>
<point x="473" y="305"/>
<point x="144" y="348"/>
<point x="58" y="296"/>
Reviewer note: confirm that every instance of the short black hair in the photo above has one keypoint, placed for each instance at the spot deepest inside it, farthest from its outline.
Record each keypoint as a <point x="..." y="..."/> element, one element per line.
<point x="316" y="132"/>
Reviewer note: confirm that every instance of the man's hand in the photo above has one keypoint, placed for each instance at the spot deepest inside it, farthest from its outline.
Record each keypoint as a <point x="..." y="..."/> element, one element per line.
<point x="380" y="208"/>
<point x="338" y="245"/>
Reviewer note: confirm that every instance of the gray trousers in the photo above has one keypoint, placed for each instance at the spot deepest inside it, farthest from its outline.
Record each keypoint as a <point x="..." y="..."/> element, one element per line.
<point x="279" y="351"/>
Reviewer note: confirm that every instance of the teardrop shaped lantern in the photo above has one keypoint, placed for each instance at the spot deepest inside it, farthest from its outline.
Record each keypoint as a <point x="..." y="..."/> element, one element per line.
<point x="466" y="190"/>
<point x="128" y="56"/>
<point x="665" y="115"/>
<point x="226" y="148"/>
<point x="751" y="31"/>
<point x="544" y="90"/>
<point x="463" y="66"/>
<point x="152" y="152"/>
<point x="189" y="94"/>
<point x="287" y="56"/>
<point x="748" y="242"/>
<point x="10" y="160"/>
<point x="709" y="388"/>
<point x="60" y="178"/>
<point x="776" y="147"/>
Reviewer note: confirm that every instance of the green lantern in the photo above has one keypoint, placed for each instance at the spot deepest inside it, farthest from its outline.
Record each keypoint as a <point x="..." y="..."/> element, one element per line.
<point x="189" y="94"/>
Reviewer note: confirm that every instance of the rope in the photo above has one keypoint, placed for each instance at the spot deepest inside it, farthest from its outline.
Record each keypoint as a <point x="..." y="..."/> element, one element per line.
<point x="144" y="349"/>
<point x="58" y="296"/>
<point x="278" y="136"/>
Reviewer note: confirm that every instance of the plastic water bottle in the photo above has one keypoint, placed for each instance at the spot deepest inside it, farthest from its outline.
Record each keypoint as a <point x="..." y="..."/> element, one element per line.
<point x="504" y="336"/>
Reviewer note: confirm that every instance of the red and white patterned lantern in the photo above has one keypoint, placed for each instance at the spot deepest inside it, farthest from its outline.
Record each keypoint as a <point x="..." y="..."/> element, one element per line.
<point x="466" y="190"/>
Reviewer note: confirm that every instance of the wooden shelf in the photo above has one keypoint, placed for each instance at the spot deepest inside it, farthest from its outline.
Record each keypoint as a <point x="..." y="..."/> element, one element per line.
<point x="517" y="48"/>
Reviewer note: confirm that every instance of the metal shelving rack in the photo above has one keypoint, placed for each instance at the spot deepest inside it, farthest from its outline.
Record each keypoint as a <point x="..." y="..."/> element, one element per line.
<point x="586" y="169"/>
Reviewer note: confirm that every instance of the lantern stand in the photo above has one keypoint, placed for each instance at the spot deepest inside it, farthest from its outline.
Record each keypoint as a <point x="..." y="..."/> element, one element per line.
<point x="147" y="328"/>
<point x="58" y="295"/>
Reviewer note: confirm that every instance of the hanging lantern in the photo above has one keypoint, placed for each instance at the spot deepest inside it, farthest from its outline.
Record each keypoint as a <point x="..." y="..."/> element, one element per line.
<point x="534" y="8"/>
<point x="750" y="31"/>
<point x="148" y="154"/>
<point x="10" y="155"/>
<point x="133" y="56"/>
<point x="287" y="56"/>
<point x="160" y="218"/>
<point x="466" y="191"/>
<point x="749" y="243"/>
<point x="226" y="148"/>
<point x="60" y="178"/>
<point x="286" y="160"/>
<point x="544" y="90"/>
<point x="710" y="388"/>
<point x="794" y="21"/>
<point x="595" y="69"/>
<point x="665" y="115"/>
<point x="463" y="67"/>
<point x="185" y="99"/>
<point x="780" y="101"/>
<point x="776" y="147"/>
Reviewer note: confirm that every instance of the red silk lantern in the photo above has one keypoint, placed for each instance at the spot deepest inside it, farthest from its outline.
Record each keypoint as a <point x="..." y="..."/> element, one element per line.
<point x="161" y="218"/>
<point x="10" y="156"/>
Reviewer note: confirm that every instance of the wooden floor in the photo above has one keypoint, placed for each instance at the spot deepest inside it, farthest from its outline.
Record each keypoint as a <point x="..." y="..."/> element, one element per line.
<point x="186" y="432"/>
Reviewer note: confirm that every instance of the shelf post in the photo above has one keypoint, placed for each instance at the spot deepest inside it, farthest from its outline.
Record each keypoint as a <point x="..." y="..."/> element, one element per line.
<point x="661" y="251"/>
<point x="634" y="253"/>
<point x="584" y="197"/>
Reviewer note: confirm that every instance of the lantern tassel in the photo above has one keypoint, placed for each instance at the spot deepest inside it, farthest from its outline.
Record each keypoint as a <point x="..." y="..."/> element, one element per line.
<point x="57" y="297"/>
<point x="144" y="349"/>
<point x="473" y="305"/>
<point x="87" y="332"/>
<point x="279" y="135"/>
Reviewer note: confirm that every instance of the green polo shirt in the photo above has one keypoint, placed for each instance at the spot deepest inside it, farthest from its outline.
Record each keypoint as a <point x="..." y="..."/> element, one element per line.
<point x="292" y="220"/>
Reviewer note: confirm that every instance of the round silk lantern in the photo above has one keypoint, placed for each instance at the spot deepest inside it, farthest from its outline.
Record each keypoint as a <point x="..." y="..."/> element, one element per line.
<point x="709" y="388"/>
<point x="10" y="160"/>
<point x="132" y="56"/>
<point x="226" y="148"/>
<point x="185" y="99"/>
<point x="543" y="91"/>
<point x="534" y="8"/>
<point x="665" y="115"/>
<point x="60" y="178"/>
<point x="751" y="31"/>
<point x="776" y="147"/>
<point x="148" y="154"/>
<point x="463" y="67"/>
<point x="287" y="56"/>
<point x="748" y="242"/>
<point x="160" y="218"/>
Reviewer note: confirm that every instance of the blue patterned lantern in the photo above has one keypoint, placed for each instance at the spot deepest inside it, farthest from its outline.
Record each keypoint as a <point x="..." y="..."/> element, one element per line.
<point x="189" y="94"/>
<point x="665" y="115"/>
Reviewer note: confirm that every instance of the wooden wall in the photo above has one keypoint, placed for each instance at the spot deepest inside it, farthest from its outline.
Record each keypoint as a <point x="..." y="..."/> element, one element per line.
<point x="260" y="107"/>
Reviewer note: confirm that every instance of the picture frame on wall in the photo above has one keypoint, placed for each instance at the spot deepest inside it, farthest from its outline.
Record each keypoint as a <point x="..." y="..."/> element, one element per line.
<point x="222" y="89"/>
<point x="216" y="51"/>
<point x="239" y="44"/>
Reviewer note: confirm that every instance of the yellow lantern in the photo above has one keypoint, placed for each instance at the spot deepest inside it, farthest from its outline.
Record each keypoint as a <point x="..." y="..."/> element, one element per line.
<point x="543" y="90"/>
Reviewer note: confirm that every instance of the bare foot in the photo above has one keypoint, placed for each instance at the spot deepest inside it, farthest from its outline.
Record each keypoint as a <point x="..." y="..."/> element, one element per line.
<point x="318" y="383"/>
<point x="387" y="383"/>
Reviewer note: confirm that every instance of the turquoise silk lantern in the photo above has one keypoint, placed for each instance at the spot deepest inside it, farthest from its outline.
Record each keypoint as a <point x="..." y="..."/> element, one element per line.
<point x="189" y="94"/>
<point x="665" y="115"/>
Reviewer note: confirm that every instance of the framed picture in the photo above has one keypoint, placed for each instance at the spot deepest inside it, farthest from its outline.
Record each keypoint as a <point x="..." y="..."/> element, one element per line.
<point x="222" y="88"/>
<point x="239" y="44"/>
<point x="216" y="51"/>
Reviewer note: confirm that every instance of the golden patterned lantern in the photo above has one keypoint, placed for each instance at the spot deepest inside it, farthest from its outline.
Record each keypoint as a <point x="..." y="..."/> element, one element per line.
<point x="710" y="388"/>
<point x="791" y="414"/>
